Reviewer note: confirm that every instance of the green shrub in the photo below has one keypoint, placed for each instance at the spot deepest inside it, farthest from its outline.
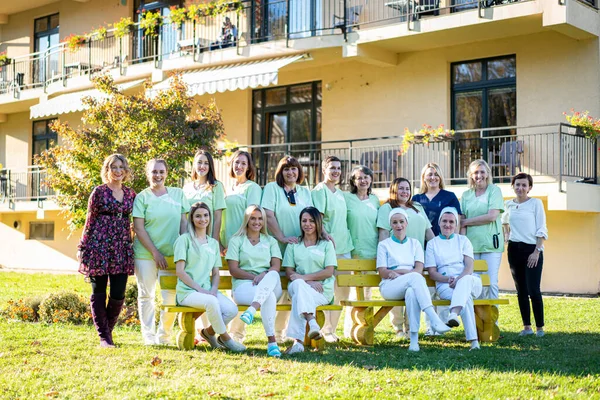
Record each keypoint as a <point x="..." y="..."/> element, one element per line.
<point x="64" y="307"/>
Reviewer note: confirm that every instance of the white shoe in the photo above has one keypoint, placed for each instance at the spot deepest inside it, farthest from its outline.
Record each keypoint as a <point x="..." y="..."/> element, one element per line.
<point x="431" y="332"/>
<point x="414" y="347"/>
<point x="297" y="347"/>
<point x="210" y="339"/>
<point x="402" y="335"/>
<point x="453" y="321"/>
<point x="231" y="345"/>
<point x="314" y="331"/>
<point x="331" y="338"/>
<point x="438" y="326"/>
<point x="475" y="345"/>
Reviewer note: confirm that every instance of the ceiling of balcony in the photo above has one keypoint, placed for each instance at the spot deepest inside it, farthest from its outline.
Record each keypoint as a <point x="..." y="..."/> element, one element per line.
<point x="12" y="7"/>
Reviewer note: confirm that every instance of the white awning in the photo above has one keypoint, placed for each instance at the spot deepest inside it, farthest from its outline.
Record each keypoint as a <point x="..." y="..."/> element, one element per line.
<point x="230" y="77"/>
<point x="71" y="102"/>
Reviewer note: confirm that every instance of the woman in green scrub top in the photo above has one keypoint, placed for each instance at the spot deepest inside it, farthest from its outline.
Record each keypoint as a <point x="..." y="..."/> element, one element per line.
<point x="362" y="224"/>
<point x="241" y="195"/>
<point x="158" y="220"/>
<point x="254" y="261"/>
<point x="331" y="204"/>
<point x="418" y="228"/>
<point x="206" y="188"/>
<point x="283" y="200"/>
<point x="198" y="260"/>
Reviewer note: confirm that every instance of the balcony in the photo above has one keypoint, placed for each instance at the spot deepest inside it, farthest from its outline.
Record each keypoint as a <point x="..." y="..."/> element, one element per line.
<point x="286" y="21"/>
<point x="23" y="185"/>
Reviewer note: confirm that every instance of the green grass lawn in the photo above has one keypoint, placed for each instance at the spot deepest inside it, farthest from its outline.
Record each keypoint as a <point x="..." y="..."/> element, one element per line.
<point x="39" y="361"/>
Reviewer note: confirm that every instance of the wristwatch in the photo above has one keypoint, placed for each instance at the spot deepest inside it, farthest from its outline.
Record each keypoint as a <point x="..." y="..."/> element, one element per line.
<point x="539" y="249"/>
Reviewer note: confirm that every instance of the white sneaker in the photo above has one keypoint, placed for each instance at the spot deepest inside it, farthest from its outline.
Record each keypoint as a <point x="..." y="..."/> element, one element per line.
<point x="331" y="338"/>
<point x="297" y="347"/>
<point x="414" y="347"/>
<point x="210" y="339"/>
<point x="453" y="321"/>
<point x="438" y="326"/>
<point x="314" y="330"/>
<point x="231" y="345"/>
<point x="431" y="332"/>
<point x="475" y="345"/>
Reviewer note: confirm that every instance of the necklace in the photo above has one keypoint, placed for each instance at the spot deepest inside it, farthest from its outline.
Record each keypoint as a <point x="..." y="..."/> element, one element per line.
<point x="254" y="240"/>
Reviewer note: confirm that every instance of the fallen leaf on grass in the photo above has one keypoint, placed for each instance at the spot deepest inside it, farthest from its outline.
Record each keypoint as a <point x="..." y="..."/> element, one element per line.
<point x="328" y="378"/>
<point x="211" y="393"/>
<point x="264" y="370"/>
<point x="35" y="343"/>
<point x="155" y="361"/>
<point x="52" y="393"/>
<point x="306" y="387"/>
<point x="370" y="367"/>
<point x="158" y="374"/>
<point x="391" y="381"/>
<point x="378" y="388"/>
<point x="25" y="362"/>
<point x="271" y="394"/>
<point x="580" y="390"/>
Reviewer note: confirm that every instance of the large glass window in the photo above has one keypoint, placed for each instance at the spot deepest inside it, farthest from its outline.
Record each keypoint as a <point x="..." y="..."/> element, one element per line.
<point x="484" y="95"/>
<point x="282" y="116"/>
<point x="46" y="40"/>
<point x="43" y="137"/>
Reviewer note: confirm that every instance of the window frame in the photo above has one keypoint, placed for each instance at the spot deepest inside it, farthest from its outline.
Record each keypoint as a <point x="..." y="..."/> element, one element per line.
<point x="44" y="237"/>
<point x="50" y="134"/>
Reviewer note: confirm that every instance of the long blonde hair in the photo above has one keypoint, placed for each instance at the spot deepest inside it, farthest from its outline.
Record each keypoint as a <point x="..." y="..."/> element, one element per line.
<point x="476" y="164"/>
<point x="191" y="228"/>
<point x="424" y="188"/>
<point x="243" y="231"/>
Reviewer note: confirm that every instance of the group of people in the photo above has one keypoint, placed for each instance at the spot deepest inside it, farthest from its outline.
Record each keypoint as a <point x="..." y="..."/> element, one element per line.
<point x="259" y="231"/>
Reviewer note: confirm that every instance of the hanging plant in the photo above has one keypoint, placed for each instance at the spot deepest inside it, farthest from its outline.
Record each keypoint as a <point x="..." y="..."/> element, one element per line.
<point x="150" y="22"/>
<point x="214" y="9"/>
<point x="425" y="135"/>
<point x="123" y="27"/>
<point x="588" y="125"/>
<point x="178" y="16"/>
<point x="4" y="60"/>
<point x="74" y="42"/>
<point x="98" y="34"/>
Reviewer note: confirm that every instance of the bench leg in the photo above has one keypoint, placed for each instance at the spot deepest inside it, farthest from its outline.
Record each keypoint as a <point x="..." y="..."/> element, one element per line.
<point x="486" y="318"/>
<point x="185" y="337"/>
<point x="316" y="344"/>
<point x="363" y="325"/>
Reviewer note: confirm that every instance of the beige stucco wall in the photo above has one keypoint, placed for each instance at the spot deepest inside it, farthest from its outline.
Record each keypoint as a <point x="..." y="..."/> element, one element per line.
<point x="15" y="141"/>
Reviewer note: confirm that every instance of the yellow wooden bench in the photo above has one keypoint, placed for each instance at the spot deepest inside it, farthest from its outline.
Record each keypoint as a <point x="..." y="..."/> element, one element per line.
<point x="367" y="314"/>
<point x="187" y="315"/>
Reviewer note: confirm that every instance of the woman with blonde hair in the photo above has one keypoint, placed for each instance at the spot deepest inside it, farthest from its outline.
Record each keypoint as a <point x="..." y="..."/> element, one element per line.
<point x="254" y="261"/>
<point x="197" y="262"/>
<point x="481" y="206"/>
<point x="106" y="249"/>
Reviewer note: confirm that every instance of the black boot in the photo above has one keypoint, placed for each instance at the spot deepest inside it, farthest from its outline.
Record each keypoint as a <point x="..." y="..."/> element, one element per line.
<point x="113" y="310"/>
<point x="98" y="306"/>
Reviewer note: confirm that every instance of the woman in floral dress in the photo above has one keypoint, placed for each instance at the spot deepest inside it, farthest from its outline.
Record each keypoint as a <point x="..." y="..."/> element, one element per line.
<point x="106" y="249"/>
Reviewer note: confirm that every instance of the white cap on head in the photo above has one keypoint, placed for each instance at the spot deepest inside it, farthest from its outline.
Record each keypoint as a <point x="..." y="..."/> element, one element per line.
<point x="397" y="210"/>
<point x="448" y="210"/>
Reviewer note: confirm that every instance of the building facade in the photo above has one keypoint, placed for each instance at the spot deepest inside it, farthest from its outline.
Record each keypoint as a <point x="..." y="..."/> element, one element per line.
<point x="319" y="77"/>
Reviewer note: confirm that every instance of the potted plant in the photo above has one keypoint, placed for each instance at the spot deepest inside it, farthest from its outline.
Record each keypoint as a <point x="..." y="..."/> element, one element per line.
<point x="98" y="34"/>
<point x="74" y="42"/>
<point x="150" y="22"/>
<point x="425" y="135"/>
<point x="123" y="27"/>
<point x="587" y="125"/>
<point x="4" y="59"/>
<point x="178" y="15"/>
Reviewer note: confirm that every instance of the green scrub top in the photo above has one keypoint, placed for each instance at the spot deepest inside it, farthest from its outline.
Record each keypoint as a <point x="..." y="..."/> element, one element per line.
<point x="287" y="215"/>
<point x="362" y="223"/>
<point x="254" y="259"/>
<point x="333" y="207"/>
<point x="417" y="223"/>
<point x="481" y="236"/>
<point x="162" y="218"/>
<point x="213" y="197"/>
<point x="239" y="197"/>
<point x="199" y="263"/>
<point x="312" y="259"/>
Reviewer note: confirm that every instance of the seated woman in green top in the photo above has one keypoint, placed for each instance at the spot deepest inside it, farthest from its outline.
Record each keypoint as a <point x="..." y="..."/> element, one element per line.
<point x="309" y="266"/>
<point x="197" y="262"/>
<point x="254" y="261"/>
<point x="418" y="228"/>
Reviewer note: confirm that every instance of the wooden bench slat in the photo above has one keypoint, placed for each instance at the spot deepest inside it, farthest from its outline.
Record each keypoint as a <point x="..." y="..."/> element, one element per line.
<point x="371" y="280"/>
<point x="389" y="303"/>
<point x="280" y="307"/>
<point x="371" y="265"/>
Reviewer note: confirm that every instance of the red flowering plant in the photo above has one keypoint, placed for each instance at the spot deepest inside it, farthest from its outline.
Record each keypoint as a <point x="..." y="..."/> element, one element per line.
<point x="74" y="42"/>
<point x="425" y="135"/>
<point x="589" y="125"/>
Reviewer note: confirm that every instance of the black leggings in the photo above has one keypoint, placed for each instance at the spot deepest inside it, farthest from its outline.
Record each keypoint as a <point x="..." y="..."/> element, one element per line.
<point x="527" y="281"/>
<point x="118" y="283"/>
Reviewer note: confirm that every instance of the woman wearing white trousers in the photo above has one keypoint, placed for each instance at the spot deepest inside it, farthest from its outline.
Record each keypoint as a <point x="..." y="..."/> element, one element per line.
<point x="309" y="266"/>
<point x="254" y="261"/>
<point x="158" y="220"/>
<point x="449" y="261"/>
<point x="197" y="261"/>
<point x="400" y="265"/>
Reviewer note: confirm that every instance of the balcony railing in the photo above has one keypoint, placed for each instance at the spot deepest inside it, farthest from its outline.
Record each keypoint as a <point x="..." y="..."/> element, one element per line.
<point x="23" y="185"/>
<point x="273" y="20"/>
<point x="550" y="153"/>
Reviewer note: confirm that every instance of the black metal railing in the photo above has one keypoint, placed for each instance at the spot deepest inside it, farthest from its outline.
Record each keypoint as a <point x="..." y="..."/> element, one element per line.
<point x="27" y="184"/>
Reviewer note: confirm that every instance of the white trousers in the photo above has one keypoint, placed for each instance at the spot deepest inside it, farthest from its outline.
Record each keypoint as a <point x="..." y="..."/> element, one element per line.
<point x="467" y="288"/>
<point x="339" y="293"/>
<point x="220" y="310"/>
<point x="399" y="319"/>
<point x="266" y="293"/>
<point x="411" y="287"/>
<point x="493" y="262"/>
<point x="305" y="299"/>
<point x="146" y="273"/>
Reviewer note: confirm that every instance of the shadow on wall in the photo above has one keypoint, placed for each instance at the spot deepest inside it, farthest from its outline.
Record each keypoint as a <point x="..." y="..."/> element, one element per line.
<point x="18" y="253"/>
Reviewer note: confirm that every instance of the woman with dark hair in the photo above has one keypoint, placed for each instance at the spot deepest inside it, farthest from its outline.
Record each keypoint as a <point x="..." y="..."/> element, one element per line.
<point x="206" y="188"/>
<point x="241" y="195"/>
<point x="283" y="200"/>
<point x="105" y="250"/>
<point x="254" y="261"/>
<point x="197" y="262"/>
<point x="524" y="224"/>
<point x="309" y="265"/>
<point x="158" y="220"/>
<point x="331" y="204"/>
<point x="418" y="228"/>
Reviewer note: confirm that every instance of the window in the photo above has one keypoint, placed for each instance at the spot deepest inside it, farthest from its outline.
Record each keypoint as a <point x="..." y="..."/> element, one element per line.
<point x="43" y="137"/>
<point x="484" y="95"/>
<point x="41" y="230"/>
<point x="46" y="37"/>
<point x="284" y="115"/>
